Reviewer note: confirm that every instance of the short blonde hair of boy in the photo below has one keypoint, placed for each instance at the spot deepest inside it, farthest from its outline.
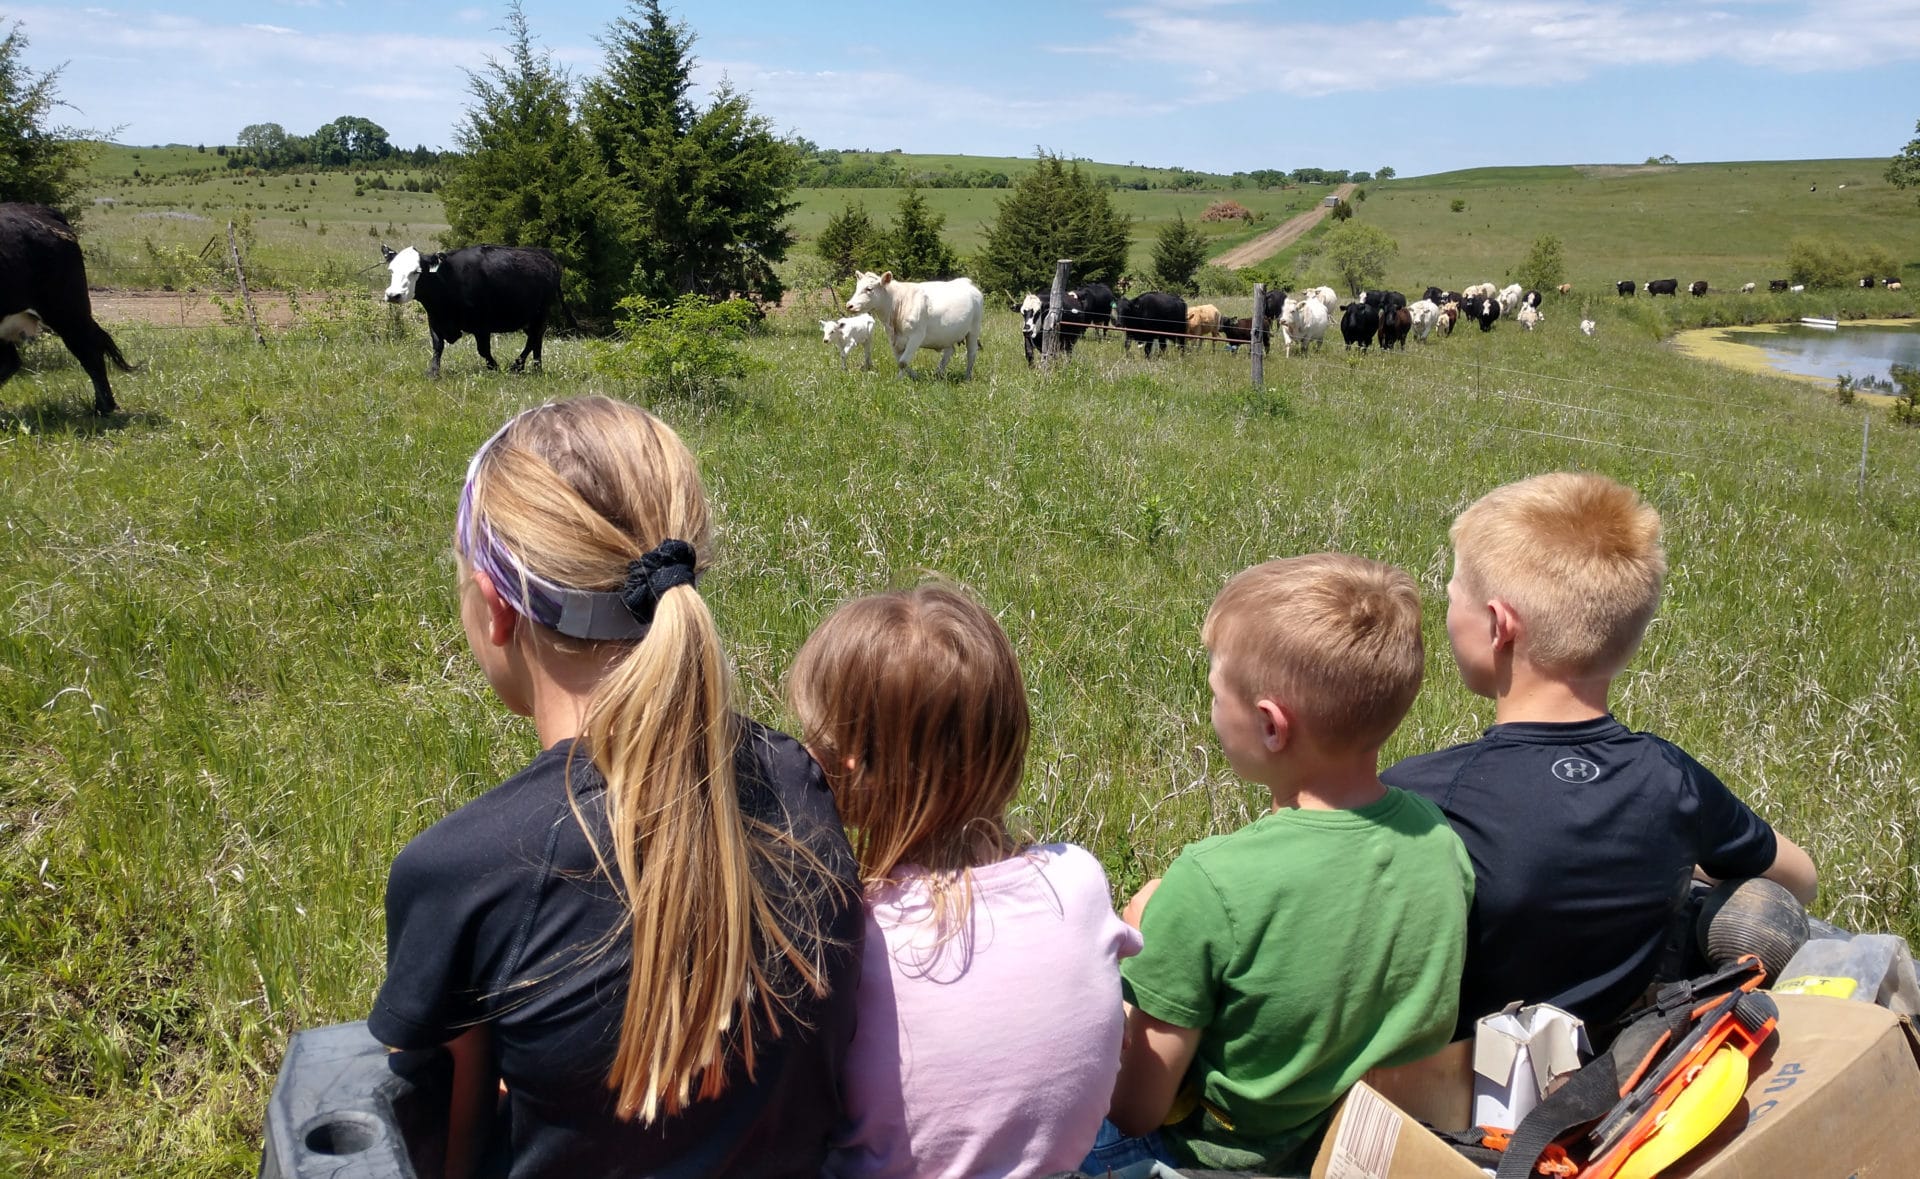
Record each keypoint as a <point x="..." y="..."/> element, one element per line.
<point x="1577" y="556"/>
<point x="1334" y="636"/>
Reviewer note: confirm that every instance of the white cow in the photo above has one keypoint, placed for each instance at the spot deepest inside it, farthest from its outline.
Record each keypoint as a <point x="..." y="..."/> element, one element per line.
<point x="1426" y="316"/>
<point x="1329" y="298"/>
<point x="1509" y="297"/>
<point x="1529" y="315"/>
<point x="1479" y="290"/>
<point x="1586" y="327"/>
<point x="855" y="331"/>
<point x="920" y="315"/>
<point x="1748" y="289"/>
<point x="21" y="326"/>
<point x="1303" y="321"/>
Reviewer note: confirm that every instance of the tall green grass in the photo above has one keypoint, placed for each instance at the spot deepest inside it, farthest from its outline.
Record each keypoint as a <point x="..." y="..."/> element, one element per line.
<point x="232" y="682"/>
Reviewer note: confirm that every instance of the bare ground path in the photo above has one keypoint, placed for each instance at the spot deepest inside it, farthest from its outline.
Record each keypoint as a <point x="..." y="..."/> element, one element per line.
<point x="1280" y="237"/>
<point x="181" y="309"/>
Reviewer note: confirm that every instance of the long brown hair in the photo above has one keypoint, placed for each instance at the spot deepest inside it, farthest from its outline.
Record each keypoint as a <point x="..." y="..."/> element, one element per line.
<point x="913" y="703"/>
<point x="575" y="491"/>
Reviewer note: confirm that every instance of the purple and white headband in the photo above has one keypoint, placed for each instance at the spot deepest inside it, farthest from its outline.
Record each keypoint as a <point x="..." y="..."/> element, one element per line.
<point x="625" y="614"/>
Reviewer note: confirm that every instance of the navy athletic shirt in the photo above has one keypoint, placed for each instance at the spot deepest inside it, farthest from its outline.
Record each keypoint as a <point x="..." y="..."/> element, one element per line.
<point x="500" y="914"/>
<point x="1583" y="837"/>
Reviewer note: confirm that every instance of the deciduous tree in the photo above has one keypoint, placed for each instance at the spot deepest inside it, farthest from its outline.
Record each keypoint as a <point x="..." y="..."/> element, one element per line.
<point x="1358" y="253"/>
<point x="40" y="161"/>
<point x="1904" y="169"/>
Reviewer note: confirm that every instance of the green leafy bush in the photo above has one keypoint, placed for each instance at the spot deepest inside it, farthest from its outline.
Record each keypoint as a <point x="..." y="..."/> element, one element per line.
<point x="1823" y="262"/>
<point x="1457" y="205"/>
<point x="688" y="348"/>
<point x="1544" y="267"/>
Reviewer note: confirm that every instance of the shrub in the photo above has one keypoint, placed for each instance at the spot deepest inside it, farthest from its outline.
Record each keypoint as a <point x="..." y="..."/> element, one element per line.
<point x="1218" y="280"/>
<point x="1544" y="267"/>
<point x="1457" y="205"/>
<point x="1342" y="210"/>
<point x="688" y="348"/>
<point x="1906" y="408"/>
<point x="1824" y="262"/>
<point x="1227" y="211"/>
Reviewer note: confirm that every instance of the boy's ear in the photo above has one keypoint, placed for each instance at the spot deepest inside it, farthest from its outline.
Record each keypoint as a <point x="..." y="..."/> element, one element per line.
<point x="1276" y="724"/>
<point x="1504" y="626"/>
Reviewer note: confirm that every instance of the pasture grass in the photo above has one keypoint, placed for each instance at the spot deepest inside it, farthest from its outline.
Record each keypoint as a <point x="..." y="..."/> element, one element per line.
<point x="232" y="681"/>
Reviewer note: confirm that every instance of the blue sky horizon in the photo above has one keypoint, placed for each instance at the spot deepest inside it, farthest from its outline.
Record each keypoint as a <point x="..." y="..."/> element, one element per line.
<point x="1213" y="85"/>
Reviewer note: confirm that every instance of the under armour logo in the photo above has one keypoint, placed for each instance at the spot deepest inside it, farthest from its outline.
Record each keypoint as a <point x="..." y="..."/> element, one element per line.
<point x="1575" y="769"/>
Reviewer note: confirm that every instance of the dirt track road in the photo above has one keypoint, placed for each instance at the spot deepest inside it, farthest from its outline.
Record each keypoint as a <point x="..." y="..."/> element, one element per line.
<point x="174" y="309"/>
<point x="1280" y="237"/>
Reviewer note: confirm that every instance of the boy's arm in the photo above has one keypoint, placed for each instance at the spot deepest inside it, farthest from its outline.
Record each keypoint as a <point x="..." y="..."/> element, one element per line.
<point x="1794" y="869"/>
<point x="1152" y="1065"/>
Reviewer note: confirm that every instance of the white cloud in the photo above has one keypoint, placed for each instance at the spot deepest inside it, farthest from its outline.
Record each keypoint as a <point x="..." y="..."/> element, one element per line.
<point x="1507" y="42"/>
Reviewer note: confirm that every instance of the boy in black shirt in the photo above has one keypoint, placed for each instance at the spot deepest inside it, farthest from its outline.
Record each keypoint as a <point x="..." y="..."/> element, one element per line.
<point x="1583" y="834"/>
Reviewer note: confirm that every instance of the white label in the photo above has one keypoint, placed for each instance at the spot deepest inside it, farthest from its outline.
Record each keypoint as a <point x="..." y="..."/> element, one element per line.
<point x="1369" y="1130"/>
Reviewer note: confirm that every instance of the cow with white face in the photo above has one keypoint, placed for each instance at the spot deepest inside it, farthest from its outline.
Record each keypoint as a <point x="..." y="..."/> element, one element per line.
<point x="478" y="291"/>
<point x="939" y="315"/>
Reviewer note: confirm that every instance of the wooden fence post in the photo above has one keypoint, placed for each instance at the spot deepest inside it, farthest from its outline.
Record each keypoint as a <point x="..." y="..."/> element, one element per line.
<point x="253" y="320"/>
<point x="1050" y="340"/>
<point x="1257" y="335"/>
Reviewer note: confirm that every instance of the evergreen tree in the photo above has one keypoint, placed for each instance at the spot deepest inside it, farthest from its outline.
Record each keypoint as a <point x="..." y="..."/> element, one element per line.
<point x="1178" y="254"/>
<point x="707" y="188"/>
<point x="40" y="162"/>
<point x="913" y="248"/>
<point x="528" y="176"/>
<point x="1055" y="211"/>
<point x="848" y="241"/>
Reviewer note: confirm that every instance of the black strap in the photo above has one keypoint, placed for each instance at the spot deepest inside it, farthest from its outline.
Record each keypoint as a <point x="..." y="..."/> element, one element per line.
<point x="1587" y="1095"/>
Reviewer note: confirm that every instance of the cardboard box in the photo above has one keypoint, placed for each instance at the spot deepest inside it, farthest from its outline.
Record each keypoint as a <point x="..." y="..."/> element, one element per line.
<point x="1835" y="1096"/>
<point x="1518" y="1055"/>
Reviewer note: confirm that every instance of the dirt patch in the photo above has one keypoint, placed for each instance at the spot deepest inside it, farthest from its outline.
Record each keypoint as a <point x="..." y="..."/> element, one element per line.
<point x="1610" y="171"/>
<point x="1279" y="238"/>
<point x="188" y="309"/>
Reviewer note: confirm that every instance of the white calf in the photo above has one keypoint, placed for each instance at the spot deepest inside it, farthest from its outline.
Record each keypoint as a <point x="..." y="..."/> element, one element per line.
<point x="1426" y="316"/>
<point x="855" y="331"/>
<point x="919" y="315"/>
<point x="21" y="326"/>
<point x="1586" y="327"/>
<point x="1529" y="315"/>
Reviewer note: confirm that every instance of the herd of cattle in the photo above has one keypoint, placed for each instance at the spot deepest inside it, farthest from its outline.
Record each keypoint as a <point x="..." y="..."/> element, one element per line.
<point x="484" y="290"/>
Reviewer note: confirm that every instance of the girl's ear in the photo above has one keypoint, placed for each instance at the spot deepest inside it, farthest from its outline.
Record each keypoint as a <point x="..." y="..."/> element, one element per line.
<point x="501" y="618"/>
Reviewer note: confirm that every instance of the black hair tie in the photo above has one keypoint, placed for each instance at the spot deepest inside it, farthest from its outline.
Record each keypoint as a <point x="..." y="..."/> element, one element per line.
<point x="649" y="578"/>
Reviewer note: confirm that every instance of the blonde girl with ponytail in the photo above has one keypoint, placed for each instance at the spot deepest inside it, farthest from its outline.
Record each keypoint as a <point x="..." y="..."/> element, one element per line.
<point x="649" y="937"/>
<point x="990" y="1014"/>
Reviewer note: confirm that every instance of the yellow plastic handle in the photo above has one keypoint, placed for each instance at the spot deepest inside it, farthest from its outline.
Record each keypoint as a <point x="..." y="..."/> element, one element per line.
<point x="1701" y="1106"/>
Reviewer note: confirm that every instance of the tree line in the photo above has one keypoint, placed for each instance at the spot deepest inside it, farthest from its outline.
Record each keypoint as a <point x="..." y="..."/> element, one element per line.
<point x="348" y="139"/>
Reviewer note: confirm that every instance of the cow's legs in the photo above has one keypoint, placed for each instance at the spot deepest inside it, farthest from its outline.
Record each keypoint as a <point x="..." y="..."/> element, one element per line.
<point x="973" y="350"/>
<point x="946" y="354"/>
<point x="535" y="332"/>
<point x="866" y="367"/>
<point x="484" y="342"/>
<point x="96" y="366"/>
<point x="433" y="366"/>
<point x="9" y="360"/>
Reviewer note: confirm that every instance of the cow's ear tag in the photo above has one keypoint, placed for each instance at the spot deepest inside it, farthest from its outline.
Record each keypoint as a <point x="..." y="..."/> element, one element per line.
<point x="433" y="263"/>
<point x="386" y="253"/>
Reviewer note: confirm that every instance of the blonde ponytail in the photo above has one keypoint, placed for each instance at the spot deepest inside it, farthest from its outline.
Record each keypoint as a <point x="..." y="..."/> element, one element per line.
<point x="579" y="492"/>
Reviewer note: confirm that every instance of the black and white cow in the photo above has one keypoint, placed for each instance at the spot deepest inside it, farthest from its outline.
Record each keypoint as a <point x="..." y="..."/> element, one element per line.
<point x="1483" y="310"/>
<point x="1531" y="299"/>
<point x="1664" y="286"/>
<point x="1626" y="287"/>
<point x="1074" y="322"/>
<point x="478" y="290"/>
<point x="1778" y="284"/>
<point x="43" y="284"/>
<point x="1697" y="288"/>
<point x="1153" y="312"/>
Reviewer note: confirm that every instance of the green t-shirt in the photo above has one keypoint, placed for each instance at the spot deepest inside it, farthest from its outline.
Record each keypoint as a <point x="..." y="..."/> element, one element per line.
<point x="1309" y="946"/>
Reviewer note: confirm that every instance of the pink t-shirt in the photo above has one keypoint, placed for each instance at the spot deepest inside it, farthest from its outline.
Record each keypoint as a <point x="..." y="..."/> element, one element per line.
<point x="996" y="1054"/>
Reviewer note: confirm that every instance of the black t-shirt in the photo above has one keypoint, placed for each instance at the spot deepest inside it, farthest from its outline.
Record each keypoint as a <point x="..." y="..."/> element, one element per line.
<point x="1583" y="837"/>
<point x="500" y="914"/>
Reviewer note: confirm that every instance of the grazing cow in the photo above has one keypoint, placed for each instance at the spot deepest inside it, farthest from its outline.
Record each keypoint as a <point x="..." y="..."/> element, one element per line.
<point x="1483" y="310"/>
<point x="1530" y="299"/>
<point x="43" y="284"/>
<point x="1074" y="322"/>
<point x="1155" y="312"/>
<point x="1893" y="284"/>
<point x="1359" y="324"/>
<point x="1664" y="286"/>
<point x="1395" y="322"/>
<point x="1565" y="288"/>
<point x="1528" y="316"/>
<point x="855" y="331"/>
<point x="479" y="290"/>
<point x="1777" y="284"/>
<point x="1748" y="288"/>
<point x="1509" y="299"/>
<point x="941" y="315"/>
<point x="1626" y="287"/>
<point x="1587" y="326"/>
<point x="1866" y="284"/>
<point x="1426" y="317"/>
<point x="1697" y="288"/>
<point x="1796" y="288"/>
<point x="1203" y="320"/>
<point x="1303" y="322"/>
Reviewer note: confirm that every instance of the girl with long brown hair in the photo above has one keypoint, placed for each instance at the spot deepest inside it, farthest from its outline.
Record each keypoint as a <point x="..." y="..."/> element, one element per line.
<point x="650" y="934"/>
<point x="990" y="1016"/>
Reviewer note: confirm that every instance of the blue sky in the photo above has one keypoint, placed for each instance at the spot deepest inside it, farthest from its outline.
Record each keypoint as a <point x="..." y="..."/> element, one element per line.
<point x="1221" y="85"/>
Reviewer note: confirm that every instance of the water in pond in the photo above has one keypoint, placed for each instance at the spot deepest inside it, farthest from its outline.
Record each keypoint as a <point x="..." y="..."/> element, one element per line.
<point x="1862" y="352"/>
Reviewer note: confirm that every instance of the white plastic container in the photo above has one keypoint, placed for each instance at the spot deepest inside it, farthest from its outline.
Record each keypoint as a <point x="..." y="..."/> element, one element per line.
<point x="1869" y="967"/>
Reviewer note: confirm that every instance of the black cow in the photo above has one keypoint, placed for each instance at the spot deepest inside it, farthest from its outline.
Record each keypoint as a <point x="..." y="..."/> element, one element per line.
<point x="1276" y="303"/>
<point x="1434" y="295"/>
<point x="1483" y="311"/>
<point x="1777" y="284"/>
<point x="1697" y="288"/>
<point x="1359" y="323"/>
<point x="1664" y="286"/>
<point x="479" y="290"/>
<point x="1866" y="284"/>
<point x="1394" y="326"/>
<point x="1074" y="322"/>
<point x="1155" y="311"/>
<point x="1383" y="300"/>
<point x="1626" y="288"/>
<point x="1236" y="331"/>
<point x="41" y="271"/>
<point x="1096" y="300"/>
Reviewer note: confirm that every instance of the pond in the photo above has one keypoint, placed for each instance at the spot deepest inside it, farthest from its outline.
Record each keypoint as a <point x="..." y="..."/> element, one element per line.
<point x="1865" y="351"/>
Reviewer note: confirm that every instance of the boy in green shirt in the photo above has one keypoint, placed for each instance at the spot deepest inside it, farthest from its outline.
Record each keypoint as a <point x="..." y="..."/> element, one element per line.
<point x="1325" y="938"/>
